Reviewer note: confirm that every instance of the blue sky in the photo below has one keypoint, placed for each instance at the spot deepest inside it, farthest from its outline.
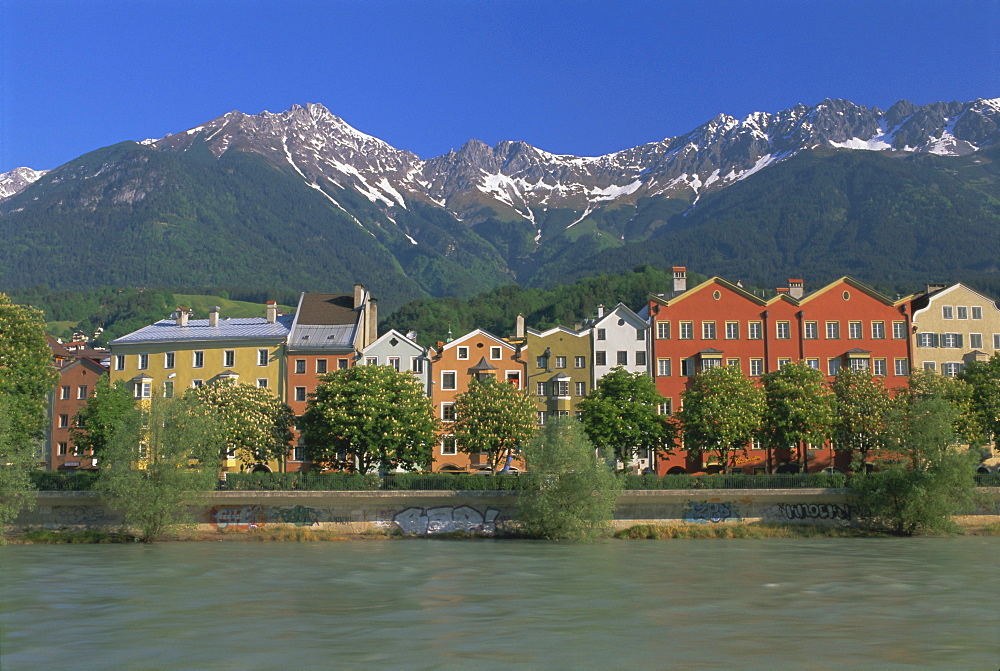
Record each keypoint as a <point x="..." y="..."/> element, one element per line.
<point x="584" y="78"/>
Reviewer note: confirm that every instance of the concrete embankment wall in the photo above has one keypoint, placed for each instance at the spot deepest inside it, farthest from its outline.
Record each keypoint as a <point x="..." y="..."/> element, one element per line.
<point x="432" y="512"/>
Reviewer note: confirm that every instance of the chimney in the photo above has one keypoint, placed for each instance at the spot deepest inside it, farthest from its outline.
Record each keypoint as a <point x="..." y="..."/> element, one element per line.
<point x="411" y="335"/>
<point x="680" y="279"/>
<point x="782" y="290"/>
<point x="935" y="287"/>
<point x="519" y="326"/>
<point x="600" y="311"/>
<point x="372" y="320"/>
<point x="359" y="295"/>
<point x="796" y="288"/>
<point x="213" y="316"/>
<point x="181" y="315"/>
<point x="272" y="311"/>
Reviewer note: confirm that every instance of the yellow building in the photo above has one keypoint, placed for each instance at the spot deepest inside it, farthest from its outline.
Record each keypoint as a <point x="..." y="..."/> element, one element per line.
<point x="179" y="353"/>
<point x="953" y="326"/>
<point x="560" y="369"/>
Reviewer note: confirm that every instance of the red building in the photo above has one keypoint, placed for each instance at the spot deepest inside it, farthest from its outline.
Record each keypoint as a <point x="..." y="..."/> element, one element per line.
<point x="719" y="323"/>
<point x="78" y="377"/>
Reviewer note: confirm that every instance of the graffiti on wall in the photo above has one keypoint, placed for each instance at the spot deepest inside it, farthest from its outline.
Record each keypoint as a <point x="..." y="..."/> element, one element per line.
<point x="251" y="516"/>
<point x="84" y="515"/>
<point x="709" y="511"/>
<point x="811" y="511"/>
<point x="446" y="519"/>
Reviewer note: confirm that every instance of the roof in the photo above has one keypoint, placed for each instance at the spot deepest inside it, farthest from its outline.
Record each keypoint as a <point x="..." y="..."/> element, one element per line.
<point x="326" y="310"/>
<point x="321" y="337"/>
<point x="167" y="330"/>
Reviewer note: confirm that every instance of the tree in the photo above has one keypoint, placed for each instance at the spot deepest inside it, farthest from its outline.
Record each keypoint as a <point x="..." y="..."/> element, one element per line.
<point x="379" y="416"/>
<point x="925" y="384"/>
<point x="799" y="407"/>
<point x="104" y="412"/>
<point x="921" y="480"/>
<point x="571" y="494"/>
<point x="983" y="380"/>
<point x="621" y="416"/>
<point x="26" y="377"/>
<point x="722" y="413"/>
<point x="161" y="459"/>
<point x="258" y="425"/>
<point x="494" y="417"/>
<point x="861" y="407"/>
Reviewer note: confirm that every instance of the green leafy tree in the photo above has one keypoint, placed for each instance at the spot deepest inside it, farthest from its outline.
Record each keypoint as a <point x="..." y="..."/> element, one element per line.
<point x="983" y="380"/>
<point x="621" y="416"/>
<point x="377" y="416"/>
<point x="921" y="480"/>
<point x="103" y="413"/>
<point x="162" y="458"/>
<point x="258" y="425"/>
<point x="861" y="404"/>
<point x="493" y="417"/>
<point x="722" y="413"/>
<point x="571" y="494"/>
<point x="26" y="377"/>
<point x="799" y="407"/>
<point x="957" y="391"/>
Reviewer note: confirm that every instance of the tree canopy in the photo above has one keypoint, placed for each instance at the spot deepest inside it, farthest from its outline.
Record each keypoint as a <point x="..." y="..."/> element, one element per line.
<point x="103" y="413"/>
<point x="493" y="417"/>
<point x="861" y="404"/>
<point x="722" y="413"/>
<point x="799" y="407"/>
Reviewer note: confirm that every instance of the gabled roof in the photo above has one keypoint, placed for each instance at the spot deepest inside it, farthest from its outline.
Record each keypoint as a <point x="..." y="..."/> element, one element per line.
<point x="923" y="301"/>
<point x="854" y="284"/>
<point x="472" y="334"/>
<point x="198" y="330"/>
<point x="324" y="322"/>
<point x="93" y="365"/>
<point x="620" y="311"/>
<point x="710" y="282"/>
<point x="558" y="329"/>
<point x="393" y="333"/>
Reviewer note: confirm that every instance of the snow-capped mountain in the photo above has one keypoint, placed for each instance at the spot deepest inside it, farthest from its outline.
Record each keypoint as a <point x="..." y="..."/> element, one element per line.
<point x="17" y="180"/>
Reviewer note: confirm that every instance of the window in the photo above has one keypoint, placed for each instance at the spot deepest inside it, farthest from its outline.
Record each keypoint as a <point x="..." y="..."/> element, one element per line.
<point x="832" y="366"/>
<point x="495" y="353"/>
<point x="708" y="330"/>
<point x="947" y="312"/>
<point x="300" y="393"/>
<point x="708" y="364"/>
<point x="81" y="392"/>
<point x="783" y="331"/>
<point x="810" y="330"/>
<point x="854" y="330"/>
<point x="622" y="358"/>
<point x="687" y="330"/>
<point x="63" y="421"/>
<point x="878" y="367"/>
<point x="976" y="340"/>
<point x="416" y="364"/>
<point x="229" y="358"/>
<point x="963" y="312"/>
<point x="142" y="389"/>
<point x="143" y="361"/>
<point x="299" y="453"/>
<point x="813" y="363"/>
<point x="393" y="363"/>
<point x="665" y="408"/>
<point x="262" y="357"/>
<point x="65" y="392"/>
<point x="560" y="362"/>
<point x="756" y="367"/>
<point x="119" y="362"/>
<point x="448" y="446"/>
<point x="562" y="388"/>
<point x="996" y="341"/>
<point x="168" y="359"/>
<point x="832" y="330"/>
<point x="733" y="363"/>
<point x="262" y="382"/>
<point x="199" y="359"/>
<point x="371" y="361"/>
<point x="732" y="330"/>
<point x="927" y="340"/>
<point x="197" y="383"/>
<point x="878" y="330"/>
<point x="541" y="417"/>
<point x="663" y="330"/>
<point x="463" y="352"/>
<point x="899" y="330"/>
<point x="755" y="330"/>
<point x="580" y="362"/>
<point x="953" y="340"/>
<point x="600" y="359"/>
<point x="542" y="362"/>
<point x="640" y="334"/>
<point x="977" y="312"/>
<point x="930" y="366"/>
<point x="663" y="367"/>
<point x="341" y="364"/>
<point x="320" y="366"/>
<point x="859" y="363"/>
<point x="447" y="412"/>
<point x="687" y="367"/>
<point x="951" y="369"/>
<point x="602" y="334"/>
<point x="514" y="378"/>
<point x="168" y="389"/>
<point x="782" y="362"/>
<point x="540" y="389"/>
<point x="581" y="388"/>
<point x="448" y="379"/>
<point x="902" y="367"/>
<point x="300" y="366"/>
<point x="63" y="449"/>
<point x="640" y="358"/>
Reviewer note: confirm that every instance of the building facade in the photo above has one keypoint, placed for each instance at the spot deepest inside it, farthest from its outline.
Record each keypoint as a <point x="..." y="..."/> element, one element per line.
<point x="953" y="326"/>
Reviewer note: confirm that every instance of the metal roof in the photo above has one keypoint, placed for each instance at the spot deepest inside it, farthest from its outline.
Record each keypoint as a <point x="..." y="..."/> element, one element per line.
<point x="167" y="330"/>
<point x="309" y="336"/>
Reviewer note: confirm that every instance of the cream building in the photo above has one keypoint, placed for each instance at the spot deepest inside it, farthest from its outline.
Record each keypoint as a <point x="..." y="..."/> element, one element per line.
<point x="951" y="327"/>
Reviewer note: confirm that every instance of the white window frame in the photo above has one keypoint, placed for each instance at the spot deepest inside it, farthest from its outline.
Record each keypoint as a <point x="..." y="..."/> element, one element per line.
<point x="462" y="353"/>
<point x="198" y="358"/>
<point x="495" y="353"/>
<point x="263" y="356"/>
<point x="755" y="330"/>
<point x="143" y="362"/>
<point x="664" y="367"/>
<point x="169" y="360"/>
<point x="454" y="380"/>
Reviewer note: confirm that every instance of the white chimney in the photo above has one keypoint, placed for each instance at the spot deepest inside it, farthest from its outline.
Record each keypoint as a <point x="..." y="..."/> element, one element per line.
<point x="680" y="279"/>
<point x="359" y="295"/>
<point x="796" y="288"/>
<point x="213" y="316"/>
<point x="272" y="311"/>
<point x="181" y="315"/>
<point x="519" y="326"/>
<point x="372" y="320"/>
<point x="600" y="311"/>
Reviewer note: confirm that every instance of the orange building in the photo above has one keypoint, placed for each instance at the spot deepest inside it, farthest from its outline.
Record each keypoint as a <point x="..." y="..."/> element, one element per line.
<point x="455" y="365"/>
<point x="78" y="377"/>
<point x="719" y="323"/>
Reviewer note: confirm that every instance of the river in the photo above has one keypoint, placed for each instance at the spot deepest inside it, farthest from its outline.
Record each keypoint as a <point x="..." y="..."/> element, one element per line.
<point x="430" y="604"/>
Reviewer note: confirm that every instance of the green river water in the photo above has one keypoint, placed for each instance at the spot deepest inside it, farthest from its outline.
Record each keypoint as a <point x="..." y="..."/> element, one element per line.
<point x="430" y="604"/>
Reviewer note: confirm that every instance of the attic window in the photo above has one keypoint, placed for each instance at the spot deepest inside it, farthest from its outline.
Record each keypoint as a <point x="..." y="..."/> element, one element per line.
<point x="393" y="342"/>
<point x="305" y="337"/>
<point x="331" y="337"/>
